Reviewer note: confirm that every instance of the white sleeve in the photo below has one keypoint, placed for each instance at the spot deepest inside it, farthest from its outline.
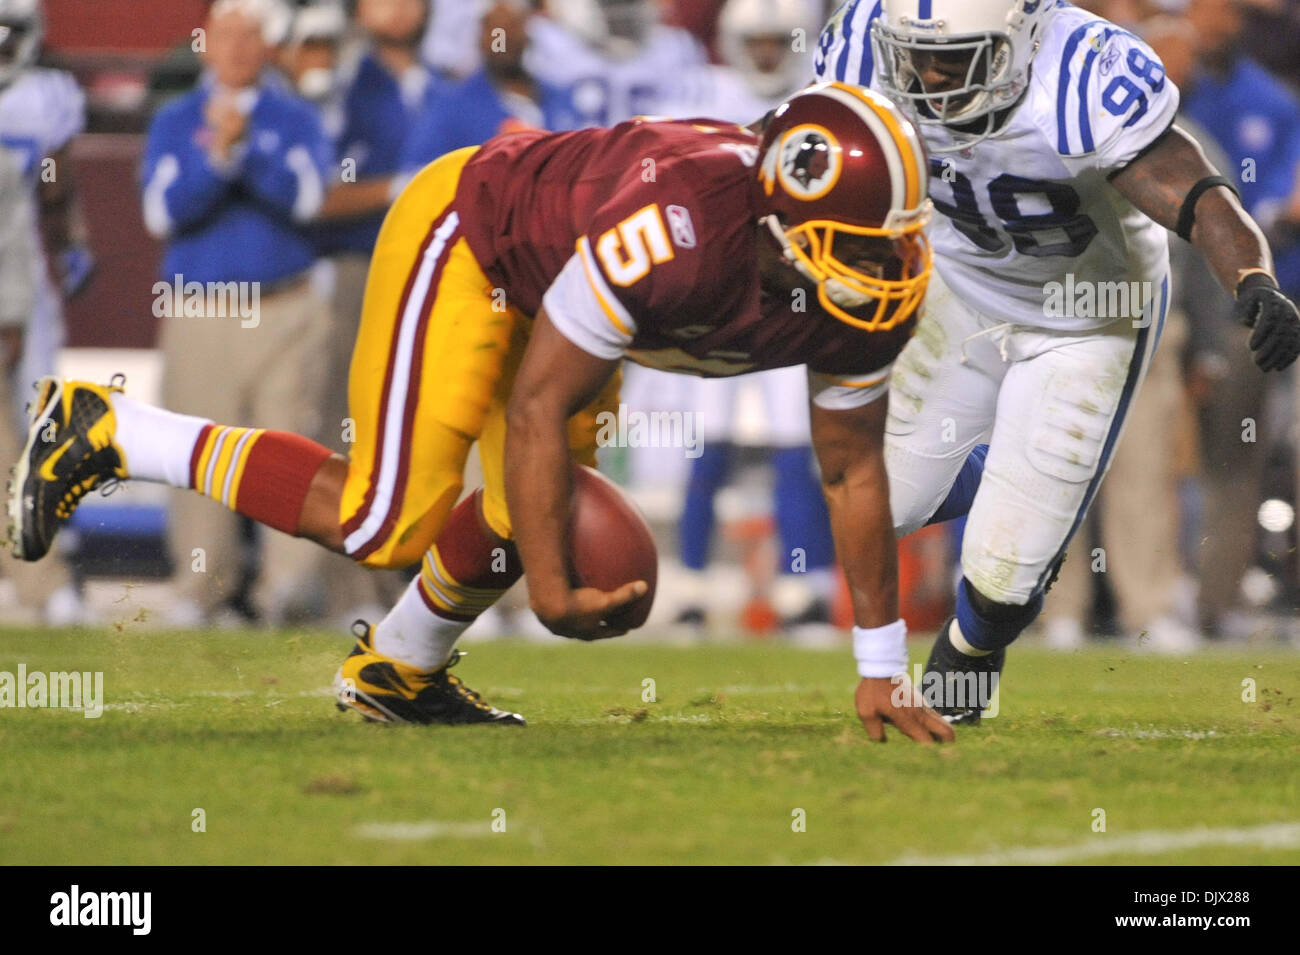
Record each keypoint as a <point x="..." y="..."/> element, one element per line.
<point x="580" y="304"/>
<point x="844" y="48"/>
<point x="17" y="253"/>
<point x="65" y="110"/>
<point x="1113" y="97"/>
<point x="838" y="393"/>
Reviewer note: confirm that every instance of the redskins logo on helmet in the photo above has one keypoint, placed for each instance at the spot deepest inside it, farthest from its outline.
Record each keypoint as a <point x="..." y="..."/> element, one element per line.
<point x="838" y="161"/>
<point x="810" y="161"/>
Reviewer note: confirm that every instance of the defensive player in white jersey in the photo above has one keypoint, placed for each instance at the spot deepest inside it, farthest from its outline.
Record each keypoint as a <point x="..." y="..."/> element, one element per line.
<point x="1056" y="168"/>
<point x="614" y="56"/>
<point x="41" y="110"/>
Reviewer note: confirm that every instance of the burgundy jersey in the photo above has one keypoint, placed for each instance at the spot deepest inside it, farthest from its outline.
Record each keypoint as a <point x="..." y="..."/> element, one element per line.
<point x="641" y="241"/>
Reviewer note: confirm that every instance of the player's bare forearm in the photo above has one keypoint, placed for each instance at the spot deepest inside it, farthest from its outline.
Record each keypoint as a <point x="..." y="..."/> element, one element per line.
<point x="555" y="380"/>
<point x="850" y="451"/>
<point x="353" y="200"/>
<point x="61" y="218"/>
<point x="1158" y="182"/>
<point x="538" y="487"/>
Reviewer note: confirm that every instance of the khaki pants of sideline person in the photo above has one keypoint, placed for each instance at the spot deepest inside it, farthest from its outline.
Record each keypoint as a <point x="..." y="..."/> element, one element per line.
<point x="1137" y="505"/>
<point x="349" y="586"/>
<point x="270" y="376"/>
<point x="34" y="582"/>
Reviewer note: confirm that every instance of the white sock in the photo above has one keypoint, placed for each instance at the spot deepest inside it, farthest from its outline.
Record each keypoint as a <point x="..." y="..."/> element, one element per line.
<point x="821" y="583"/>
<point x="157" y="443"/>
<point x="959" y="642"/>
<point x="694" y="588"/>
<point x="414" y="634"/>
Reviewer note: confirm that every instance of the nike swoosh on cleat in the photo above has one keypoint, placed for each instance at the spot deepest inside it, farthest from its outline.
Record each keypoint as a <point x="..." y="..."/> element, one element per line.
<point x="47" y="466"/>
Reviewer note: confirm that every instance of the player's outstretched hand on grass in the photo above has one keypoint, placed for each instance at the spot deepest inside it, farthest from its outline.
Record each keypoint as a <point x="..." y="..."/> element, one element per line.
<point x="884" y="700"/>
<point x="584" y="613"/>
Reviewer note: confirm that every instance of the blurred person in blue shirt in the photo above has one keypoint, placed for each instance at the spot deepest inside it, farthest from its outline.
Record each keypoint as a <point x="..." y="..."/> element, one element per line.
<point x="383" y="87"/>
<point x="499" y="97"/>
<point x="235" y="168"/>
<point x="233" y="171"/>
<point x="1255" y="118"/>
<point x="369" y="94"/>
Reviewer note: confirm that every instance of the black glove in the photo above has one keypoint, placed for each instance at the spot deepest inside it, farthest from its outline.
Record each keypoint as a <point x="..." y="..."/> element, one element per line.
<point x="1261" y="306"/>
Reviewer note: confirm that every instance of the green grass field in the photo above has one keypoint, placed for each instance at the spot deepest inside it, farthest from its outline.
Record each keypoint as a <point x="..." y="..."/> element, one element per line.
<point x="242" y="727"/>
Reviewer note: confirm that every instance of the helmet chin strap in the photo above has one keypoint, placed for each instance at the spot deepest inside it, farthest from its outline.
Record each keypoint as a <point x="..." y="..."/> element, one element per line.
<point x="836" y="291"/>
<point x="845" y="297"/>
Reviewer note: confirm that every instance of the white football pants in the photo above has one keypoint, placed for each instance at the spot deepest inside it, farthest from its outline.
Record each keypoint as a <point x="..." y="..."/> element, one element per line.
<point x="1050" y="405"/>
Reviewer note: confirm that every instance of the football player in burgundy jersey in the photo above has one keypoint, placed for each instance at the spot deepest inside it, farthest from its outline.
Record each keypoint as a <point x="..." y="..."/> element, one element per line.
<point x="507" y="285"/>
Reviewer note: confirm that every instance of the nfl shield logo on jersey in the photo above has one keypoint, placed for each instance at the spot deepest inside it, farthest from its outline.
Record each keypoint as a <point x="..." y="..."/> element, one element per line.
<point x="679" y="224"/>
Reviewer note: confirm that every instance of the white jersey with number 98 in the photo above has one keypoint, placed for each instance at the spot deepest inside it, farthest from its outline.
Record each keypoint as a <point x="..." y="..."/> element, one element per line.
<point x="1028" y="219"/>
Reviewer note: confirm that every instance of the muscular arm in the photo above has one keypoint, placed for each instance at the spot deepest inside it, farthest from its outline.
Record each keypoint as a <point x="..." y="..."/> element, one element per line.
<point x="1158" y="181"/>
<point x="556" y="379"/>
<point x="850" y="450"/>
<point x="63" y="224"/>
<point x="850" y="447"/>
<point x="57" y="196"/>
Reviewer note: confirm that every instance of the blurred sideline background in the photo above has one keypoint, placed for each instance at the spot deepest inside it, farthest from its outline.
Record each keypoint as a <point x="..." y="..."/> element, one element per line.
<point x="1193" y="540"/>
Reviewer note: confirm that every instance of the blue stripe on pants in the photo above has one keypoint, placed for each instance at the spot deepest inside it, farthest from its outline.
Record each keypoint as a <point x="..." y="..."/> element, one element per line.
<point x="1117" y="423"/>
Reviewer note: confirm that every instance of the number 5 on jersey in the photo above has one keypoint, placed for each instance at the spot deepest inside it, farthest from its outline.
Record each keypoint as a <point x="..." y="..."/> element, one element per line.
<point x="628" y="250"/>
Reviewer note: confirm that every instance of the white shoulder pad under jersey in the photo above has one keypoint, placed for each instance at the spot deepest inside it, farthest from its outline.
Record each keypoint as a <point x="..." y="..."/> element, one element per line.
<point x="40" y="112"/>
<point x="1032" y="205"/>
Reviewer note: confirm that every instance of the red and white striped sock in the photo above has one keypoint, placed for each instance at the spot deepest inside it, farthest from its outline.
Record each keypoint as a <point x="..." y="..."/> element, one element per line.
<point x="262" y="474"/>
<point x="465" y="572"/>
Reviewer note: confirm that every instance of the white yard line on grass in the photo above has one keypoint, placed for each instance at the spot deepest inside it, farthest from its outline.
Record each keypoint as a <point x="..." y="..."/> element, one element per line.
<point x="1281" y="835"/>
<point x="419" y="831"/>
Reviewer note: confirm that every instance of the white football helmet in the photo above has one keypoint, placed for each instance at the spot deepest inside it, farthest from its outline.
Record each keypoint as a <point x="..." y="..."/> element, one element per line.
<point x="324" y="21"/>
<point x="618" y="28"/>
<point x="745" y="20"/>
<point x="321" y="20"/>
<point x="22" y="27"/>
<point x="991" y="41"/>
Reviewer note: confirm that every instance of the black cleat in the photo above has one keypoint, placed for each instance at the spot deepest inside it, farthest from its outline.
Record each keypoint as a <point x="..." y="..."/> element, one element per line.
<point x="384" y="690"/>
<point x="71" y="449"/>
<point x="961" y="686"/>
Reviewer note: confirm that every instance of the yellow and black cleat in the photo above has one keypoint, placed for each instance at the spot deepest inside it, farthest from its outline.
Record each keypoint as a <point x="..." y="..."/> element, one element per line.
<point x="71" y="450"/>
<point x="385" y="690"/>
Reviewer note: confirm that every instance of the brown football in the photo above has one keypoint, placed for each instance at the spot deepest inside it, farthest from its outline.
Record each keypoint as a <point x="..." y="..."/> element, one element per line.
<point x="610" y="543"/>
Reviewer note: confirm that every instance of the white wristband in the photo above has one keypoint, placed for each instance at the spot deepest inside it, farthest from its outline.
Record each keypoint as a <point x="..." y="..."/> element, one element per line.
<point x="881" y="652"/>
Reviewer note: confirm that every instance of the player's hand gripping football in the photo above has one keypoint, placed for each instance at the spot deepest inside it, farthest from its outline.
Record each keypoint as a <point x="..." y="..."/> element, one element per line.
<point x="1262" y="306"/>
<point x="900" y="704"/>
<point x="582" y="613"/>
